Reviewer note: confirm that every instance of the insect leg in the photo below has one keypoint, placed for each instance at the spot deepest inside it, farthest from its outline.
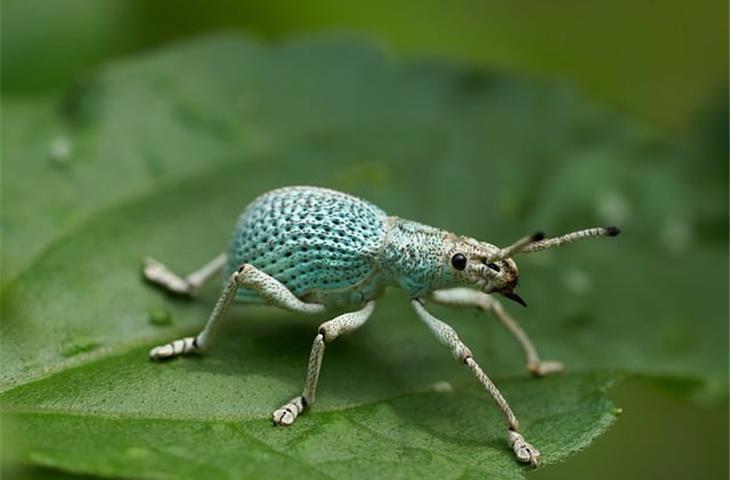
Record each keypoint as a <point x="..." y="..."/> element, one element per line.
<point x="328" y="331"/>
<point x="247" y="276"/>
<point x="449" y="338"/>
<point x="189" y="285"/>
<point x="465" y="297"/>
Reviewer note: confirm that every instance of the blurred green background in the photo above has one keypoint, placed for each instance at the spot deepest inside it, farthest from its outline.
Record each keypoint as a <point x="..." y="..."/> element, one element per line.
<point x="661" y="61"/>
<point x="665" y="64"/>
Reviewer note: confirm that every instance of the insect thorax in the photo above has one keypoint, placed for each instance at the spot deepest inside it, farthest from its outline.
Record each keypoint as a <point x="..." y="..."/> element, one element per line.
<point x="414" y="256"/>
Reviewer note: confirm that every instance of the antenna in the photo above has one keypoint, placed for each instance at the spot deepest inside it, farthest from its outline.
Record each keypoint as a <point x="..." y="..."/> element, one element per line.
<point x="570" y="237"/>
<point x="517" y="247"/>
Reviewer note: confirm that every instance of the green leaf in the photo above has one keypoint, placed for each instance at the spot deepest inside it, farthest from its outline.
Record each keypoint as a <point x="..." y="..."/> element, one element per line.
<point x="180" y="420"/>
<point x="156" y="155"/>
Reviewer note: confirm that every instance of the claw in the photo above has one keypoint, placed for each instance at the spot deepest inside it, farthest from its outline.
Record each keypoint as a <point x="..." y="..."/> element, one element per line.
<point x="286" y="415"/>
<point x="173" y="349"/>
<point x="283" y="417"/>
<point x="546" y="367"/>
<point x="525" y="452"/>
<point x="161" y="352"/>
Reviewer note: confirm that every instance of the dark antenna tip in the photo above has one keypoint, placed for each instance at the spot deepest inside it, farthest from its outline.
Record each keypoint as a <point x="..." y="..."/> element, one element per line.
<point x="612" y="231"/>
<point x="537" y="236"/>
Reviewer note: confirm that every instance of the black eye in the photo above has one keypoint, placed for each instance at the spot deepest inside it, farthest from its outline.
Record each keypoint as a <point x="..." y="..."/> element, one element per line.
<point x="493" y="266"/>
<point x="458" y="261"/>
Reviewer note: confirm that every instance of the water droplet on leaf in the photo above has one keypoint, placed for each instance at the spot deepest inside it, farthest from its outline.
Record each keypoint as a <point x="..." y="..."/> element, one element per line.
<point x="442" y="387"/>
<point x="577" y="281"/>
<point x="60" y="149"/>
<point x="138" y="452"/>
<point x="77" y="345"/>
<point x="676" y="235"/>
<point x="159" y="316"/>
<point x="613" y="207"/>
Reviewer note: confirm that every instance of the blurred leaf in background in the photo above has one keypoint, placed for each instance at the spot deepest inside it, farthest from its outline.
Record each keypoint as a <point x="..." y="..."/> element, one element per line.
<point x="664" y="62"/>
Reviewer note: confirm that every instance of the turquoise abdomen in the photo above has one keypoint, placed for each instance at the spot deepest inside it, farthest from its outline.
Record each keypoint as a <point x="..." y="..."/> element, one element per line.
<point x="318" y="242"/>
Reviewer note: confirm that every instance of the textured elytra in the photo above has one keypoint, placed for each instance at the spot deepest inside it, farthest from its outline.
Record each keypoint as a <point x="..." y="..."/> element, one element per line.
<point x="317" y="242"/>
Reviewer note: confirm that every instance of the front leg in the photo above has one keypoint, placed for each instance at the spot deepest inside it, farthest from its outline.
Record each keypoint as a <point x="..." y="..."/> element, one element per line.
<point x="448" y="337"/>
<point x="465" y="297"/>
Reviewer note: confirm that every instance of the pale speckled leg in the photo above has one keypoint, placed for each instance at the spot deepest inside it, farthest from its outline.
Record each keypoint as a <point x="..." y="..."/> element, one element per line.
<point x="465" y="297"/>
<point x="448" y="337"/>
<point x="328" y="331"/>
<point x="247" y="276"/>
<point x="159" y="274"/>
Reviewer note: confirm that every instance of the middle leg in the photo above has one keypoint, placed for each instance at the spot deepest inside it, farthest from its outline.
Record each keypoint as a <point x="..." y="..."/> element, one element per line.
<point x="328" y="331"/>
<point x="466" y="297"/>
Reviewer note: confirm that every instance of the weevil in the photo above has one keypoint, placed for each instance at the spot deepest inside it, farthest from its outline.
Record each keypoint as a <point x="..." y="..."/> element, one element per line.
<point x="308" y="249"/>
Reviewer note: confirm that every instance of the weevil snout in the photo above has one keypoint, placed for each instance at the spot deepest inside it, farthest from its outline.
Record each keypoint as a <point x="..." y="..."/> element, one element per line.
<point x="492" y="269"/>
<point x="488" y="275"/>
<point x="502" y="277"/>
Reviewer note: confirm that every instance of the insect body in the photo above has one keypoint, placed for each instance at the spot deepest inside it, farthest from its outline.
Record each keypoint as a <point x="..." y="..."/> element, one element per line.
<point x="306" y="249"/>
<point x="323" y="246"/>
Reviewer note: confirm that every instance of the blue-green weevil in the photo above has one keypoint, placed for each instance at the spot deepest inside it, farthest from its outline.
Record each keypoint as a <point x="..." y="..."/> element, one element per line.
<point x="308" y="248"/>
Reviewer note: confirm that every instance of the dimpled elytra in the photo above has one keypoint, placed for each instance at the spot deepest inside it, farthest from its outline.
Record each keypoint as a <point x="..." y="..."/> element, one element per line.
<point x="308" y="248"/>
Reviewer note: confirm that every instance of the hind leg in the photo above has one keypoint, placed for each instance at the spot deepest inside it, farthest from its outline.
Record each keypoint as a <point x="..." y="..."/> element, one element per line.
<point x="189" y="285"/>
<point x="247" y="276"/>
